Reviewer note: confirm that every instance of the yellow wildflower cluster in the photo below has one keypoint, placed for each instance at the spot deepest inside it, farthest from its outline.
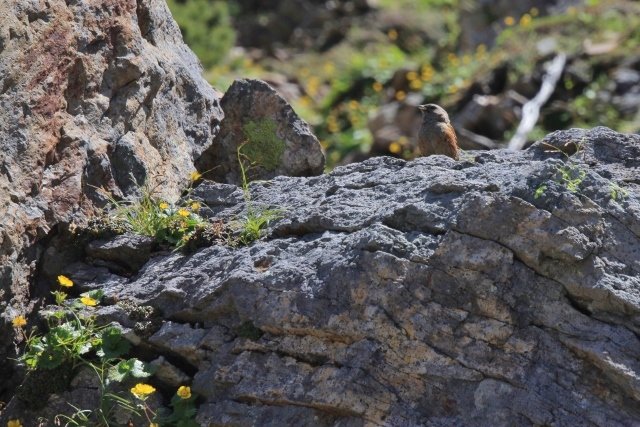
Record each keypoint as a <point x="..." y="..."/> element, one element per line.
<point x="427" y="72"/>
<point x="332" y="124"/>
<point x="312" y="86"/>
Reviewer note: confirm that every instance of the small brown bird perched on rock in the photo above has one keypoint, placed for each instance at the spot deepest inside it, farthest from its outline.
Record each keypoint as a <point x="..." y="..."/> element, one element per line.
<point x="436" y="135"/>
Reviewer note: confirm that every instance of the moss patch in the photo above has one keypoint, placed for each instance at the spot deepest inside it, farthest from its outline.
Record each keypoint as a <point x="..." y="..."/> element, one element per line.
<point x="40" y="384"/>
<point x="148" y="319"/>
<point x="249" y="331"/>
<point x="263" y="147"/>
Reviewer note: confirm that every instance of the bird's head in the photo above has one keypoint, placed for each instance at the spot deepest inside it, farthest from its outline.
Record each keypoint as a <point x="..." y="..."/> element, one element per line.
<point x="434" y="112"/>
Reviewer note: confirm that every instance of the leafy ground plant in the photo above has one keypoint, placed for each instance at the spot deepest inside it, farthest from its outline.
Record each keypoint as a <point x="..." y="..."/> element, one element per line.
<point x="182" y="403"/>
<point x="255" y="221"/>
<point x="175" y="224"/>
<point x="74" y="338"/>
<point x="571" y="175"/>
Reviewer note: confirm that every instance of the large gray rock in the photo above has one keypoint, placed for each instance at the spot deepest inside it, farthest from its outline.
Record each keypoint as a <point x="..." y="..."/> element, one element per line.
<point x="276" y="140"/>
<point x="428" y="293"/>
<point x="92" y="94"/>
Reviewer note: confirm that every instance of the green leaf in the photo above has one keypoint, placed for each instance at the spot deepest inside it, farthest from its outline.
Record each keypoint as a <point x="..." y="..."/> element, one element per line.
<point x="113" y="344"/>
<point x="188" y="423"/>
<point x="96" y="294"/>
<point x="51" y="358"/>
<point x="132" y="367"/>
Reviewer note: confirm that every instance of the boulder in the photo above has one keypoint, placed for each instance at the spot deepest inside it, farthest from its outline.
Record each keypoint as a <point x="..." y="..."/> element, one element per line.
<point x="424" y="293"/>
<point x="130" y="251"/>
<point x="274" y="139"/>
<point x="93" y="94"/>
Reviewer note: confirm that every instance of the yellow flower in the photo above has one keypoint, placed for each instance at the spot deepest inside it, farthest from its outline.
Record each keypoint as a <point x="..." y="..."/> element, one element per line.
<point x="195" y="206"/>
<point x="412" y="75"/>
<point x="393" y="34"/>
<point x="395" y="148"/>
<point x="329" y="68"/>
<point x="353" y="104"/>
<point x="14" y="423"/>
<point x="453" y="59"/>
<point x="19" y="321"/>
<point x="400" y="95"/>
<point x="534" y="11"/>
<point x="377" y="86"/>
<point x="142" y="390"/>
<point x="333" y="128"/>
<point x="525" y="20"/>
<point x="509" y="21"/>
<point x="183" y="212"/>
<point x="163" y="205"/>
<point x="305" y="100"/>
<point x="88" y="301"/>
<point x="65" y="281"/>
<point x="195" y="176"/>
<point x="184" y="392"/>
<point x="415" y="84"/>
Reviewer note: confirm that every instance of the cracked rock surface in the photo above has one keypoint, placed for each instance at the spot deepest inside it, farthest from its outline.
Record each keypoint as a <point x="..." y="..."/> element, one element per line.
<point x="424" y="293"/>
<point x="93" y="93"/>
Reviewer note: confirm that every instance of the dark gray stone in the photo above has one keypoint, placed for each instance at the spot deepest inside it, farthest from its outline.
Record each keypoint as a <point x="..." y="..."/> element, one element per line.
<point x="424" y="293"/>
<point x="128" y="250"/>
<point x="255" y="114"/>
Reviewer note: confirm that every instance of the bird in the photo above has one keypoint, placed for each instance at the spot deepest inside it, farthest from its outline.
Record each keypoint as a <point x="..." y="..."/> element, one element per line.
<point x="436" y="135"/>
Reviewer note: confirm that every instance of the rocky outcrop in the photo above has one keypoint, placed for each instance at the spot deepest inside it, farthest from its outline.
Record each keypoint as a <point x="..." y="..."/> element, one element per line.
<point x="424" y="293"/>
<point x="94" y="94"/>
<point x="274" y="140"/>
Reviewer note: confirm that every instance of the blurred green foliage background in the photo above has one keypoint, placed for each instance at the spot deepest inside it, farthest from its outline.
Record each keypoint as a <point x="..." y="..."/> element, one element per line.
<point x="344" y="65"/>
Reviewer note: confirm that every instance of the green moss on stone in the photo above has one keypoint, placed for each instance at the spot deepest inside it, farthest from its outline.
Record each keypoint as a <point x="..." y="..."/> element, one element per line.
<point x="40" y="384"/>
<point x="249" y="331"/>
<point x="263" y="147"/>
<point x="148" y="319"/>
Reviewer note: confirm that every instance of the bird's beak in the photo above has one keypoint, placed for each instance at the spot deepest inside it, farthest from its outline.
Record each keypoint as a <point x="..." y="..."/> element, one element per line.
<point x="421" y="107"/>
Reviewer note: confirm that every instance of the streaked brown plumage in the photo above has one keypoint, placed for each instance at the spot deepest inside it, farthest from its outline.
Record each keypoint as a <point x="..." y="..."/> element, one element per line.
<point x="436" y="135"/>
